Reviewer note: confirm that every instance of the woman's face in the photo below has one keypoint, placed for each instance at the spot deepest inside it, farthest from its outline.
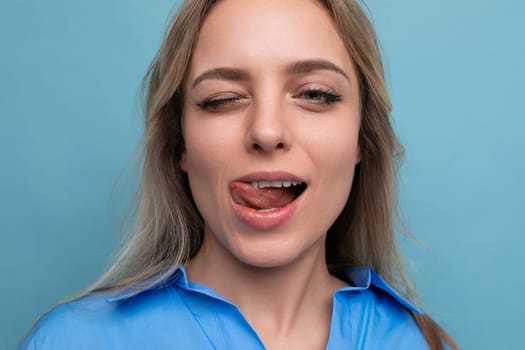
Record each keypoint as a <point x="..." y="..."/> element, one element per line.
<point x="271" y="121"/>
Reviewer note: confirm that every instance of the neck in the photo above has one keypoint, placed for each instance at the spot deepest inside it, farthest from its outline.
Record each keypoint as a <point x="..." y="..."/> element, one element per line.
<point x="275" y="300"/>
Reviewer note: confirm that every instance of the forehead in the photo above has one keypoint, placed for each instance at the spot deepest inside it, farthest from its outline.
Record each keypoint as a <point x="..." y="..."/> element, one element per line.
<point x="267" y="32"/>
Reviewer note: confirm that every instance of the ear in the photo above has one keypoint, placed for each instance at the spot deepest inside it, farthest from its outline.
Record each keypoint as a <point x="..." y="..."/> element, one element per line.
<point x="183" y="162"/>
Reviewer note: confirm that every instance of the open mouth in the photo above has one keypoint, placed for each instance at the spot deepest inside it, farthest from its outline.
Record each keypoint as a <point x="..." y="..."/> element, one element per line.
<point x="266" y="195"/>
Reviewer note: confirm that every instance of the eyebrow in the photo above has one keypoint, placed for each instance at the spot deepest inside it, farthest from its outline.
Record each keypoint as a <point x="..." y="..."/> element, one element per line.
<point x="232" y="74"/>
<point x="300" y="67"/>
<point x="308" y="66"/>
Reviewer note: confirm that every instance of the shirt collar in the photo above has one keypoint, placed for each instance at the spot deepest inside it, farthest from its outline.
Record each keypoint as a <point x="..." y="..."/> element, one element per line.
<point x="361" y="278"/>
<point x="171" y="276"/>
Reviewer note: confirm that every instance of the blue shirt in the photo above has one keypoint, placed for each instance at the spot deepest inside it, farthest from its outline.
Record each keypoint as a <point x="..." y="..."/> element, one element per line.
<point x="182" y="315"/>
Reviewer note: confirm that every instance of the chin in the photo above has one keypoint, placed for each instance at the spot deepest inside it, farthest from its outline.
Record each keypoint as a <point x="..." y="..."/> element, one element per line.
<point x="273" y="255"/>
<point x="266" y="262"/>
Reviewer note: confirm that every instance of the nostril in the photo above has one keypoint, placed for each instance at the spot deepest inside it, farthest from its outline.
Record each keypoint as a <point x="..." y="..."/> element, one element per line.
<point x="258" y="147"/>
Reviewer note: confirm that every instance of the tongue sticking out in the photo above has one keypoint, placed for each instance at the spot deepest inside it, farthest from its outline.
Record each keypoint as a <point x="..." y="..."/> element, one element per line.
<point x="261" y="198"/>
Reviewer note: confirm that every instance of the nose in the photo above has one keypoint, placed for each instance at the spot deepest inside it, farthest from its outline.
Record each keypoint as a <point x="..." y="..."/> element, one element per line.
<point x="268" y="130"/>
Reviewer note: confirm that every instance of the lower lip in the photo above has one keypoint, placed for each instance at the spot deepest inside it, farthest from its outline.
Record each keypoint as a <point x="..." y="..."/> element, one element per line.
<point x="265" y="220"/>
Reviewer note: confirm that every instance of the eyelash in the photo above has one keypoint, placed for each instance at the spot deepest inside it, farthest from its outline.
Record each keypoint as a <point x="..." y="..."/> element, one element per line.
<point x="321" y="96"/>
<point x="214" y="104"/>
<point x="318" y="96"/>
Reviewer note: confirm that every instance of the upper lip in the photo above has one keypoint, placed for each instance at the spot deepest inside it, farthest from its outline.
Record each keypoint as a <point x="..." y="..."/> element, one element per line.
<point x="270" y="176"/>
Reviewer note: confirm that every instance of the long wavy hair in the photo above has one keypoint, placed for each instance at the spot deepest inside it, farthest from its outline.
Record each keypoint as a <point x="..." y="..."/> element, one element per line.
<point x="169" y="229"/>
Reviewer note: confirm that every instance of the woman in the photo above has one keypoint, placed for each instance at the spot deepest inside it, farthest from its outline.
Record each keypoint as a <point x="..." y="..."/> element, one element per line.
<point x="268" y="194"/>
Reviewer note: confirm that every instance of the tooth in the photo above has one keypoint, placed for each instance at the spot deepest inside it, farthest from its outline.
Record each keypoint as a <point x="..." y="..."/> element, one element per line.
<point x="275" y="184"/>
<point x="263" y="184"/>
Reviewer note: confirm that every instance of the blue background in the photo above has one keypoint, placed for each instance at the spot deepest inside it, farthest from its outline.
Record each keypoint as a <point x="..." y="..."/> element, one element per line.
<point x="70" y="122"/>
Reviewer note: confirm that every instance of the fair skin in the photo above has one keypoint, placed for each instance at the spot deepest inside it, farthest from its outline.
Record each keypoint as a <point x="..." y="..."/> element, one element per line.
<point x="271" y="95"/>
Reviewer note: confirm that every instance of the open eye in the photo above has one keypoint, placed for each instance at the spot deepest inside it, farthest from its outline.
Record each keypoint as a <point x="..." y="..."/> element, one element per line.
<point x="319" y="96"/>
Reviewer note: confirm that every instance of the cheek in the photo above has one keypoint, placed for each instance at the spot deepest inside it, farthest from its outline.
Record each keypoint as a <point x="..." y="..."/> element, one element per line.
<point x="210" y="152"/>
<point x="202" y="145"/>
<point x="210" y="139"/>
<point x="201" y="163"/>
<point x="336" y="158"/>
<point x="339" y="167"/>
<point x="335" y="144"/>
